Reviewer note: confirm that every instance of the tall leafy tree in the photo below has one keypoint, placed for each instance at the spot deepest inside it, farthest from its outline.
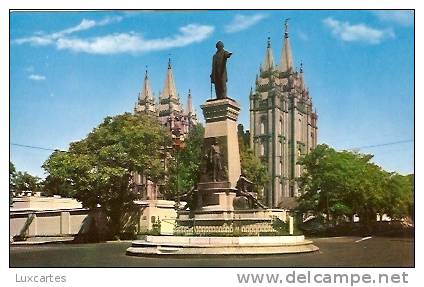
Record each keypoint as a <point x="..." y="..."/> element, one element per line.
<point x="340" y="184"/>
<point x="251" y="165"/>
<point x="57" y="186"/>
<point x="100" y="167"/>
<point x="184" y="167"/>
<point x="399" y="196"/>
<point x="23" y="181"/>
<point x="12" y="176"/>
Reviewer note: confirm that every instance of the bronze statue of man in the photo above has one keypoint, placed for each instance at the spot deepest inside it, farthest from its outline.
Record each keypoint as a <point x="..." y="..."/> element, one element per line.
<point x="215" y="160"/>
<point x="219" y="70"/>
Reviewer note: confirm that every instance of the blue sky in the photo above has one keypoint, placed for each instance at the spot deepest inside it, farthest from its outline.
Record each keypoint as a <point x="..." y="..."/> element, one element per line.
<point x="68" y="70"/>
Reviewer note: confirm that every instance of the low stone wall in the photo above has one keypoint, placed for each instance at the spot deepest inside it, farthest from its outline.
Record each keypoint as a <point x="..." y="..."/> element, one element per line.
<point x="71" y="221"/>
<point x="44" y="203"/>
<point x="47" y="223"/>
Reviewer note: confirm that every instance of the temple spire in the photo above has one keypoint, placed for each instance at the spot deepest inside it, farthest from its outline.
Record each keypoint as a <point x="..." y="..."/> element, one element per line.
<point x="286" y="27"/>
<point x="268" y="62"/>
<point x="146" y="92"/>
<point x="146" y="100"/>
<point x="169" y="90"/>
<point x="286" y="53"/>
<point x="189" y="103"/>
<point x="169" y="101"/>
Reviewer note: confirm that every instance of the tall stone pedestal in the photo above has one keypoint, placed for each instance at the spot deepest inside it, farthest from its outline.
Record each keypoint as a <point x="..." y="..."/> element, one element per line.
<point x="220" y="167"/>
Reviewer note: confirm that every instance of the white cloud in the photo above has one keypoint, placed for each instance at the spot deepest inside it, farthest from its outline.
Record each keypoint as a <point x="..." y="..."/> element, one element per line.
<point x="400" y="17"/>
<point x="38" y="40"/>
<point x="357" y="32"/>
<point x="41" y="39"/>
<point x="36" y="77"/>
<point x="116" y="43"/>
<point x="243" y="22"/>
<point x="135" y="43"/>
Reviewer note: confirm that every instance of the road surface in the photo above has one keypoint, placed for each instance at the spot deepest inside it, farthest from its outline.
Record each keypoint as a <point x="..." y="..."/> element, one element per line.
<point x="334" y="252"/>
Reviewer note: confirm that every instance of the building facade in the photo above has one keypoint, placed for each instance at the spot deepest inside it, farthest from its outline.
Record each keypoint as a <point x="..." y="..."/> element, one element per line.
<point x="283" y="124"/>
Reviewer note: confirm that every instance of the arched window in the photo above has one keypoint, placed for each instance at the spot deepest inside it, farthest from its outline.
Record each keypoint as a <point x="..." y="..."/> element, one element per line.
<point x="262" y="149"/>
<point x="281" y="126"/>
<point x="263" y="123"/>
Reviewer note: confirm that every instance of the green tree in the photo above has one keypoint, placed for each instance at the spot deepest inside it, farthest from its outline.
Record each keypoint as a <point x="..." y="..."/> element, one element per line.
<point x="399" y="196"/>
<point x="184" y="167"/>
<point x="100" y="167"/>
<point x="12" y="176"/>
<point x="370" y="192"/>
<point x="340" y="184"/>
<point x="23" y="181"/>
<point x="254" y="170"/>
<point x="243" y="136"/>
<point x="251" y="165"/>
<point x="57" y="186"/>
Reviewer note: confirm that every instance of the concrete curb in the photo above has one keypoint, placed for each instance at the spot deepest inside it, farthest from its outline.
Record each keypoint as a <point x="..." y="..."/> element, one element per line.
<point x="41" y="242"/>
<point x="246" y="245"/>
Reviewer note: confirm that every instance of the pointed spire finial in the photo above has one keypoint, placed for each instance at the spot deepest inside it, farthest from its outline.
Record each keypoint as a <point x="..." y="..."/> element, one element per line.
<point x="286" y="54"/>
<point x="286" y="27"/>
<point x="146" y="99"/>
<point x="301" y="66"/>
<point x="268" y="61"/>
<point x="169" y="62"/>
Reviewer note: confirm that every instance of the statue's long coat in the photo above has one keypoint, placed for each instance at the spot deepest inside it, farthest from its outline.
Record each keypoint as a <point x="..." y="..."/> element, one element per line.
<point x="219" y="69"/>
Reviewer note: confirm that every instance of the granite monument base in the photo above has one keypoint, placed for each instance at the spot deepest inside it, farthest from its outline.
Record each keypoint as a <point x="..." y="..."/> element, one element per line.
<point x="229" y="222"/>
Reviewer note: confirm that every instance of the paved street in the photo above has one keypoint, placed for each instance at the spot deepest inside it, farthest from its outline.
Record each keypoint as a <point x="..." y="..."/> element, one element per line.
<point x="334" y="252"/>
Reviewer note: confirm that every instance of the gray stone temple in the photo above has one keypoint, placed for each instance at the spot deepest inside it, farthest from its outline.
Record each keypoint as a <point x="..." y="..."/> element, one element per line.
<point x="283" y="123"/>
<point x="168" y="109"/>
<point x="170" y="113"/>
